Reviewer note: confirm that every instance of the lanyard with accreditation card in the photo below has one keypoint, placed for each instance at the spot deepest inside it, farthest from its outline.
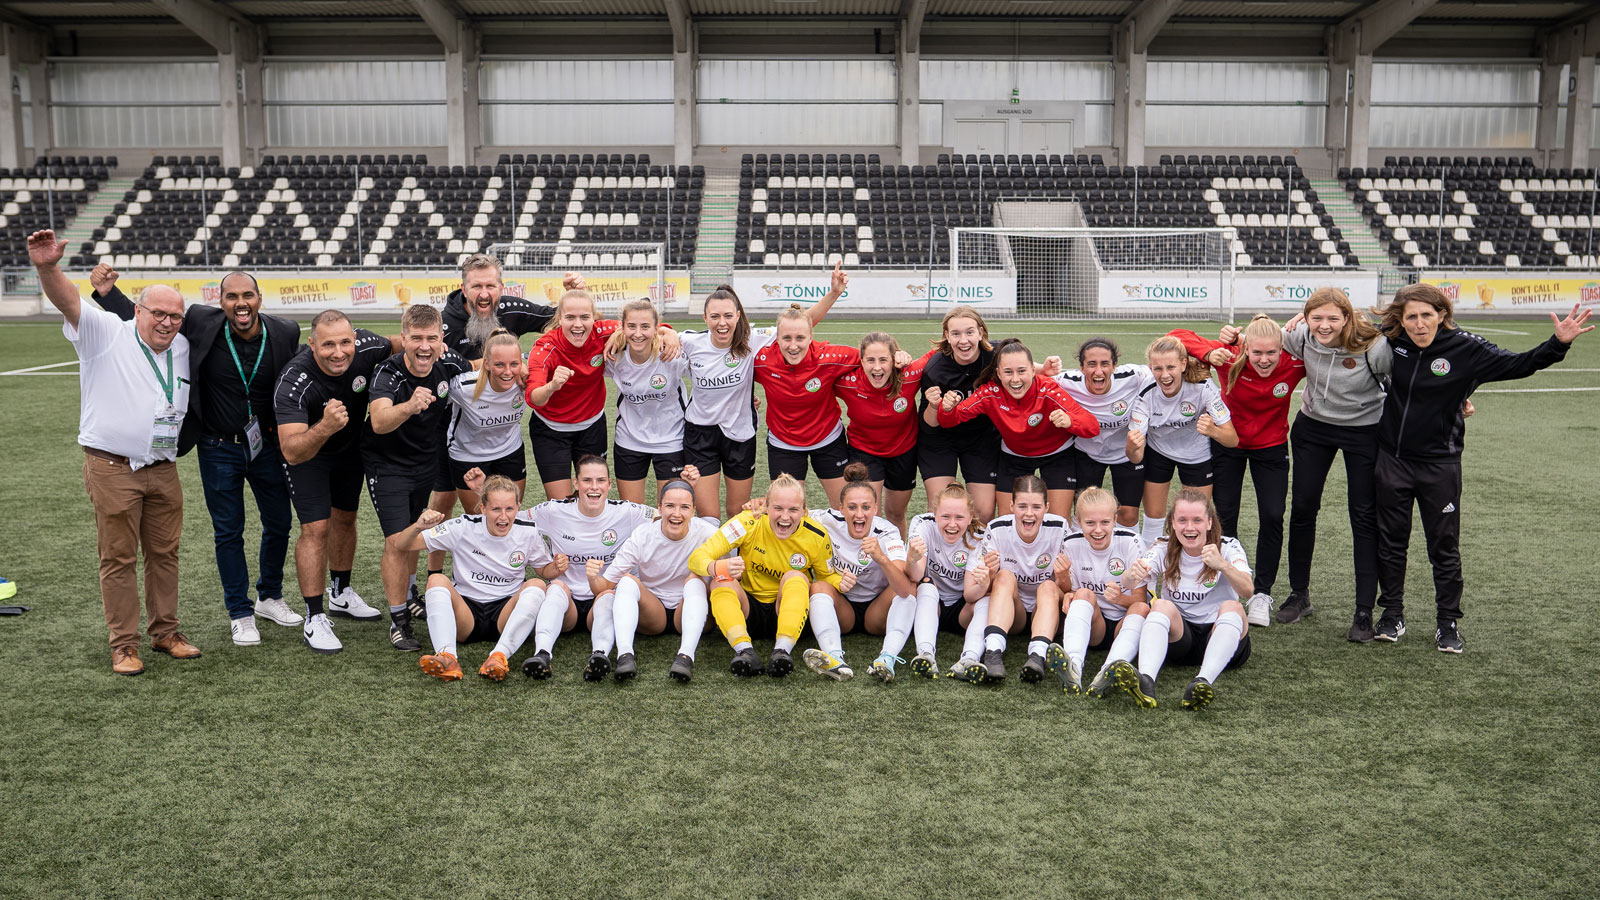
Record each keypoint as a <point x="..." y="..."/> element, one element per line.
<point x="164" y="431"/>
<point x="252" y="425"/>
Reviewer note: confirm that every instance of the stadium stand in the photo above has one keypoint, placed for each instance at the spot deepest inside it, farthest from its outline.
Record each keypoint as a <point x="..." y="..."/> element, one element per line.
<point x="798" y="210"/>
<point x="51" y="190"/>
<point x="396" y="210"/>
<point x="1477" y="211"/>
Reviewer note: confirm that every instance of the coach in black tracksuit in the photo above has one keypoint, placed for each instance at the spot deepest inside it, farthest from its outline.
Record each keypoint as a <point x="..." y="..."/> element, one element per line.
<point x="1437" y="366"/>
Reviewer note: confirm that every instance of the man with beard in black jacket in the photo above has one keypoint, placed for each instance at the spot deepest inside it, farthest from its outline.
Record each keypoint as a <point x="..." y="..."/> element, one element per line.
<point x="1437" y="366"/>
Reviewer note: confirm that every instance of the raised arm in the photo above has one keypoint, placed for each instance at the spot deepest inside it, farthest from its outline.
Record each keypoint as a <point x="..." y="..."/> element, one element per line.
<point x="835" y="291"/>
<point x="103" y="281"/>
<point x="45" y="252"/>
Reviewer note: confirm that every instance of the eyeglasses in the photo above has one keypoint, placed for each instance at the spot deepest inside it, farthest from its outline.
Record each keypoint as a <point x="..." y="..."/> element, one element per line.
<point x="160" y="316"/>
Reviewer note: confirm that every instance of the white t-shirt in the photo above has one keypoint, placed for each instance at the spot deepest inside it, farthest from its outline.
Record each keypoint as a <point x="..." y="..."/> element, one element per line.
<point x="1092" y="568"/>
<point x="661" y="564"/>
<point x="723" y="385"/>
<point x="1112" y="410"/>
<point x="486" y="567"/>
<point x="124" y="409"/>
<point x="650" y="403"/>
<point x="946" y="564"/>
<point x="1169" y="422"/>
<point x="1033" y="562"/>
<point x="486" y="428"/>
<point x="569" y="531"/>
<point x="871" y="580"/>
<point x="1196" y="601"/>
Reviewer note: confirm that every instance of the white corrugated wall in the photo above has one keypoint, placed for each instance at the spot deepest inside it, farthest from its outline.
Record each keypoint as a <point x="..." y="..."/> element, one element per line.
<point x="1456" y="105"/>
<point x="1088" y="81"/>
<point x="576" y="102"/>
<point x="830" y="102"/>
<point x="354" y="103"/>
<point x="134" y="104"/>
<point x="1203" y="103"/>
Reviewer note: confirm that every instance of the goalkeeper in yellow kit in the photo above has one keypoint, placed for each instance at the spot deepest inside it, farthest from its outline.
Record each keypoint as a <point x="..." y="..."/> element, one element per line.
<point x="766" y="588"/>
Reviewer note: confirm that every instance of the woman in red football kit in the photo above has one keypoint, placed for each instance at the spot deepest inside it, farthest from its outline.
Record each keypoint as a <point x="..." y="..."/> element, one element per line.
<point x="1024" y="405"/>
<point x="881" y="401"/>
<point x="1258" y="380"/>
<point x="803" y="421"/>
<point x="567" y="389"/>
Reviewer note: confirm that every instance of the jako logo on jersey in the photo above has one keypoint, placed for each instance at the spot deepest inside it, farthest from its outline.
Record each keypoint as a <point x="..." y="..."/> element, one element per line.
<point x="1042" y="561"/>
<point x="1119" y="408"/>
<point x="1280" y="390"/>
<point x="658" y="381"/>
<point x="797" y="561"/>
<point x="900" y="404"/>
<point x="359" y="384"/>
<point x="1035" y="419"/>
<point x="730" y="362"/>
<point x="596" y="360"/>
<point x="959" y="558"/>
<point x="517" y="559"/>
<point x="1440" y="367"/>
<point x="608" y="537"/>
<point x="1116" y="566"/>
<point x="1186" y="409"/>
<point x="814" y="385"/>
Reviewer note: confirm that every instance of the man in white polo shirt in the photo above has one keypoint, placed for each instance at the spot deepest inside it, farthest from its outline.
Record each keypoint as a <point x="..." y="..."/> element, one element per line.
<point x="134" y="380"/>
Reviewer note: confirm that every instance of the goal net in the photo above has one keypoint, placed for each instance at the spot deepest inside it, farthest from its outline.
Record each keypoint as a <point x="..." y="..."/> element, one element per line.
<point x="613" y="273"/>
<point x="1065" y="272"/>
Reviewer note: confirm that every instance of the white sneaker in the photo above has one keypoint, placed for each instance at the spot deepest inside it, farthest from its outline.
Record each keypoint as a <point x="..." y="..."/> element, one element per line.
<point x="244" y="632"/>
<point x="319" y="636"/>
<point x="274" y="610"/>
<point x="1259" y="610"/>
<point x="349" y="604"/>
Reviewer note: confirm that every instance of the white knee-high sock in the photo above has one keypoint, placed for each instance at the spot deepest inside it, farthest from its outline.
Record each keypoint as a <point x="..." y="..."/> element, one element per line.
<point x="972" y="646"/>
<point x="897" y="627"/>
<point x="603" y="631"/>
<point x="1153" y="643"/>
<point x="520" y="623"/>
<point x="547" y="627"/>
<point x="1075" y="633"/>
<point x="441" y="620"/>
<point x="926" y="622"/>
<point x="1126" y="644"/>
<point x="825" y="625"/>
<point x="1220" y="647"/>
<point x="696" y="606"/>
<point x="625" y="614"/>
<point x="1151" y="530"/>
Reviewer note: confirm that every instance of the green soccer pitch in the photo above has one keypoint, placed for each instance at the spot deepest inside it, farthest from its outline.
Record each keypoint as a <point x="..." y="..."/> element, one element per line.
<point x="1323" y="768"/>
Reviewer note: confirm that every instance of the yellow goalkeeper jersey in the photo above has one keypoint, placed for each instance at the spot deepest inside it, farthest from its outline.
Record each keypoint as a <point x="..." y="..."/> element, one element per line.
<point x="767" y="558"/>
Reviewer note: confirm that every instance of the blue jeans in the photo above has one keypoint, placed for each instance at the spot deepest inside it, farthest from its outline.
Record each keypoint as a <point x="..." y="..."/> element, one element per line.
<point x="224" y="470"/>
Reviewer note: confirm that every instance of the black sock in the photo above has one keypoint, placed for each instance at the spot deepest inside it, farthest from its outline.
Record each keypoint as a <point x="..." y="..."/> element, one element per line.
<point x="338" y="580"/>
<point x="432" y="572"/>
<point x="313" y="605"/>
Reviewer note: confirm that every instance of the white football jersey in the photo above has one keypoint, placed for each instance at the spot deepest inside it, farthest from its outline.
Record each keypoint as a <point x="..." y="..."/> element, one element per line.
<point x="650" y="403"/>
<point x="660" y="564"/>
<point x="1033" y="562"/>
<point x="1113" y="409"/>
<point x="1197" y="601"/>
<point x="486" y="428"/>
<point x="723" y="385"/>
<point x="1092" y="568"/>
<point x="486" y="567"/>
<point x="569" y="531"/>
<point x="947" y="563"/>
<point x="1169" y="422"/>
<point x="848" y="556"/>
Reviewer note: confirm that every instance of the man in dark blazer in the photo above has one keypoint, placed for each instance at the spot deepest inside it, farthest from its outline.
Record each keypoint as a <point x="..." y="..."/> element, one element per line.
<point x="236" y="354"/>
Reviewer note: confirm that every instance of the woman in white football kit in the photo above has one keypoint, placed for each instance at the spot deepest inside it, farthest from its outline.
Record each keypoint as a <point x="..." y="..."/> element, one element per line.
<point x="584" y="527"/>
<point x="1100" y="614"/>
<point x="1021" y="554"/>
<point x="1108" y="391"/>
<point x="490" y="586"/>
<point x="486" y="423"/>
<point x="1172" y="426"/>
<point x="1198" y="619"/>
<point x="654" y="589"/>
<point x="882" y="600"/>
<point x="650" y="402"/>
<point x="719" y="436"/>
<point x="944" y="557"/>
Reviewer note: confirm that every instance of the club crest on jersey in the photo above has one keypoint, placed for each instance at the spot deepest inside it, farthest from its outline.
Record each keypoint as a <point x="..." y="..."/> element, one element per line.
<point x="900" y="404"/>
<point x="797" y="560"/>
<point x="444" y="389"/>
<point x="1116" y="566"/>
<point x="608" y="537"/>
<point x="1119" y="408"/>
<point x="596" y="360"/>
<point x="1210" y="584"/>
<point x="862" y="558"/>
<point x="658" y="381"/>
<point x="1186" y="409"/>
<point x="1280" y="390"/>
<point x="730" y="361"/>
<point x="517" y="559"/>
<point x="1440" y="367"/>
<point x="516" y="400"/>
<point x="359" y="383"/>
<point x="1035" y="419"/>
<point x="1042" y="562"/>
<point x="814" y="385"/>
<point x="959" y="559"/>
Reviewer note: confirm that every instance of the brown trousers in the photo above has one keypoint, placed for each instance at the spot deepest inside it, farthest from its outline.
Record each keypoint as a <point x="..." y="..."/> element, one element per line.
<point x="134" y="509"/>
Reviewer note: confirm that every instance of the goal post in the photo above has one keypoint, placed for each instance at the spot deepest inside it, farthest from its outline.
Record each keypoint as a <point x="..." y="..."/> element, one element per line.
<point x="614" y="273"/>
<point x="1104" y="273"/>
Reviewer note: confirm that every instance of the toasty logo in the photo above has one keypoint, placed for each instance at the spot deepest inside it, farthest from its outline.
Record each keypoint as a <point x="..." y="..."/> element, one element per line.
<point x="1280" y="390"/>
<point x="1440" y="367"/>
<point x="517" y="559"/>
<point x="658" y="381"/>
<point x="900" y="404"/>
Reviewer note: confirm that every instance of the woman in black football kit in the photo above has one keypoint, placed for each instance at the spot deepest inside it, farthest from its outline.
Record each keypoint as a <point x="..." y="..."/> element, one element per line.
<point x="953" y="365"/>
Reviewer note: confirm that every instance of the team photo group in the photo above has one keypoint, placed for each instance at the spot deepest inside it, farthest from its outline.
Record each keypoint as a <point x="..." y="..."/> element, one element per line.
<point x="1023" y="538"/>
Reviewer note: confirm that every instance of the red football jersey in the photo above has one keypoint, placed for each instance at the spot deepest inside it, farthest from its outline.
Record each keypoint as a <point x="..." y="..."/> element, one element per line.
<point x="1024" y="423"/>
<point x="1259" y="403"/>
<point x="584" y="395"/>
<point x="881" y="423"/>
<point x="801" y="408"/>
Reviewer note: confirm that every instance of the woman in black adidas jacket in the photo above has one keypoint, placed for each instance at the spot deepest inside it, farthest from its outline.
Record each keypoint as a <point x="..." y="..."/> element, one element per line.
<point x="1420" y="437"/>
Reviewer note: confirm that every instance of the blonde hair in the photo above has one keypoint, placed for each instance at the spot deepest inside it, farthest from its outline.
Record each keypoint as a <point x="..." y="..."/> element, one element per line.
<point x="1194" y="370"/>
<point x="494" y="484"/>
<point x="1093" y="496"/>
<point x="618" y="342"/>
<point x="786" y="482"/>
<point x="1358" y="333"/>
<point x="961" y="312"/>
<point x="497" y="338"/>
<point x="1175" y="549"/>
<point x="973" y="536"/>
<point x="1261" y="327"/>
<point x="795" y="311"/>
<point x="571" y="294"/>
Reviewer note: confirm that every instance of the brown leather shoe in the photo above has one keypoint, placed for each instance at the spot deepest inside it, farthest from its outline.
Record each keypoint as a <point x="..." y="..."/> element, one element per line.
<point x="177" y="646"/>
<point x="125" y="661"/>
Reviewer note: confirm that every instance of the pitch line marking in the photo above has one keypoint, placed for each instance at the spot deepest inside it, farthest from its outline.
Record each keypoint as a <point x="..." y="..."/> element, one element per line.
<point x="70" y="362"/>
